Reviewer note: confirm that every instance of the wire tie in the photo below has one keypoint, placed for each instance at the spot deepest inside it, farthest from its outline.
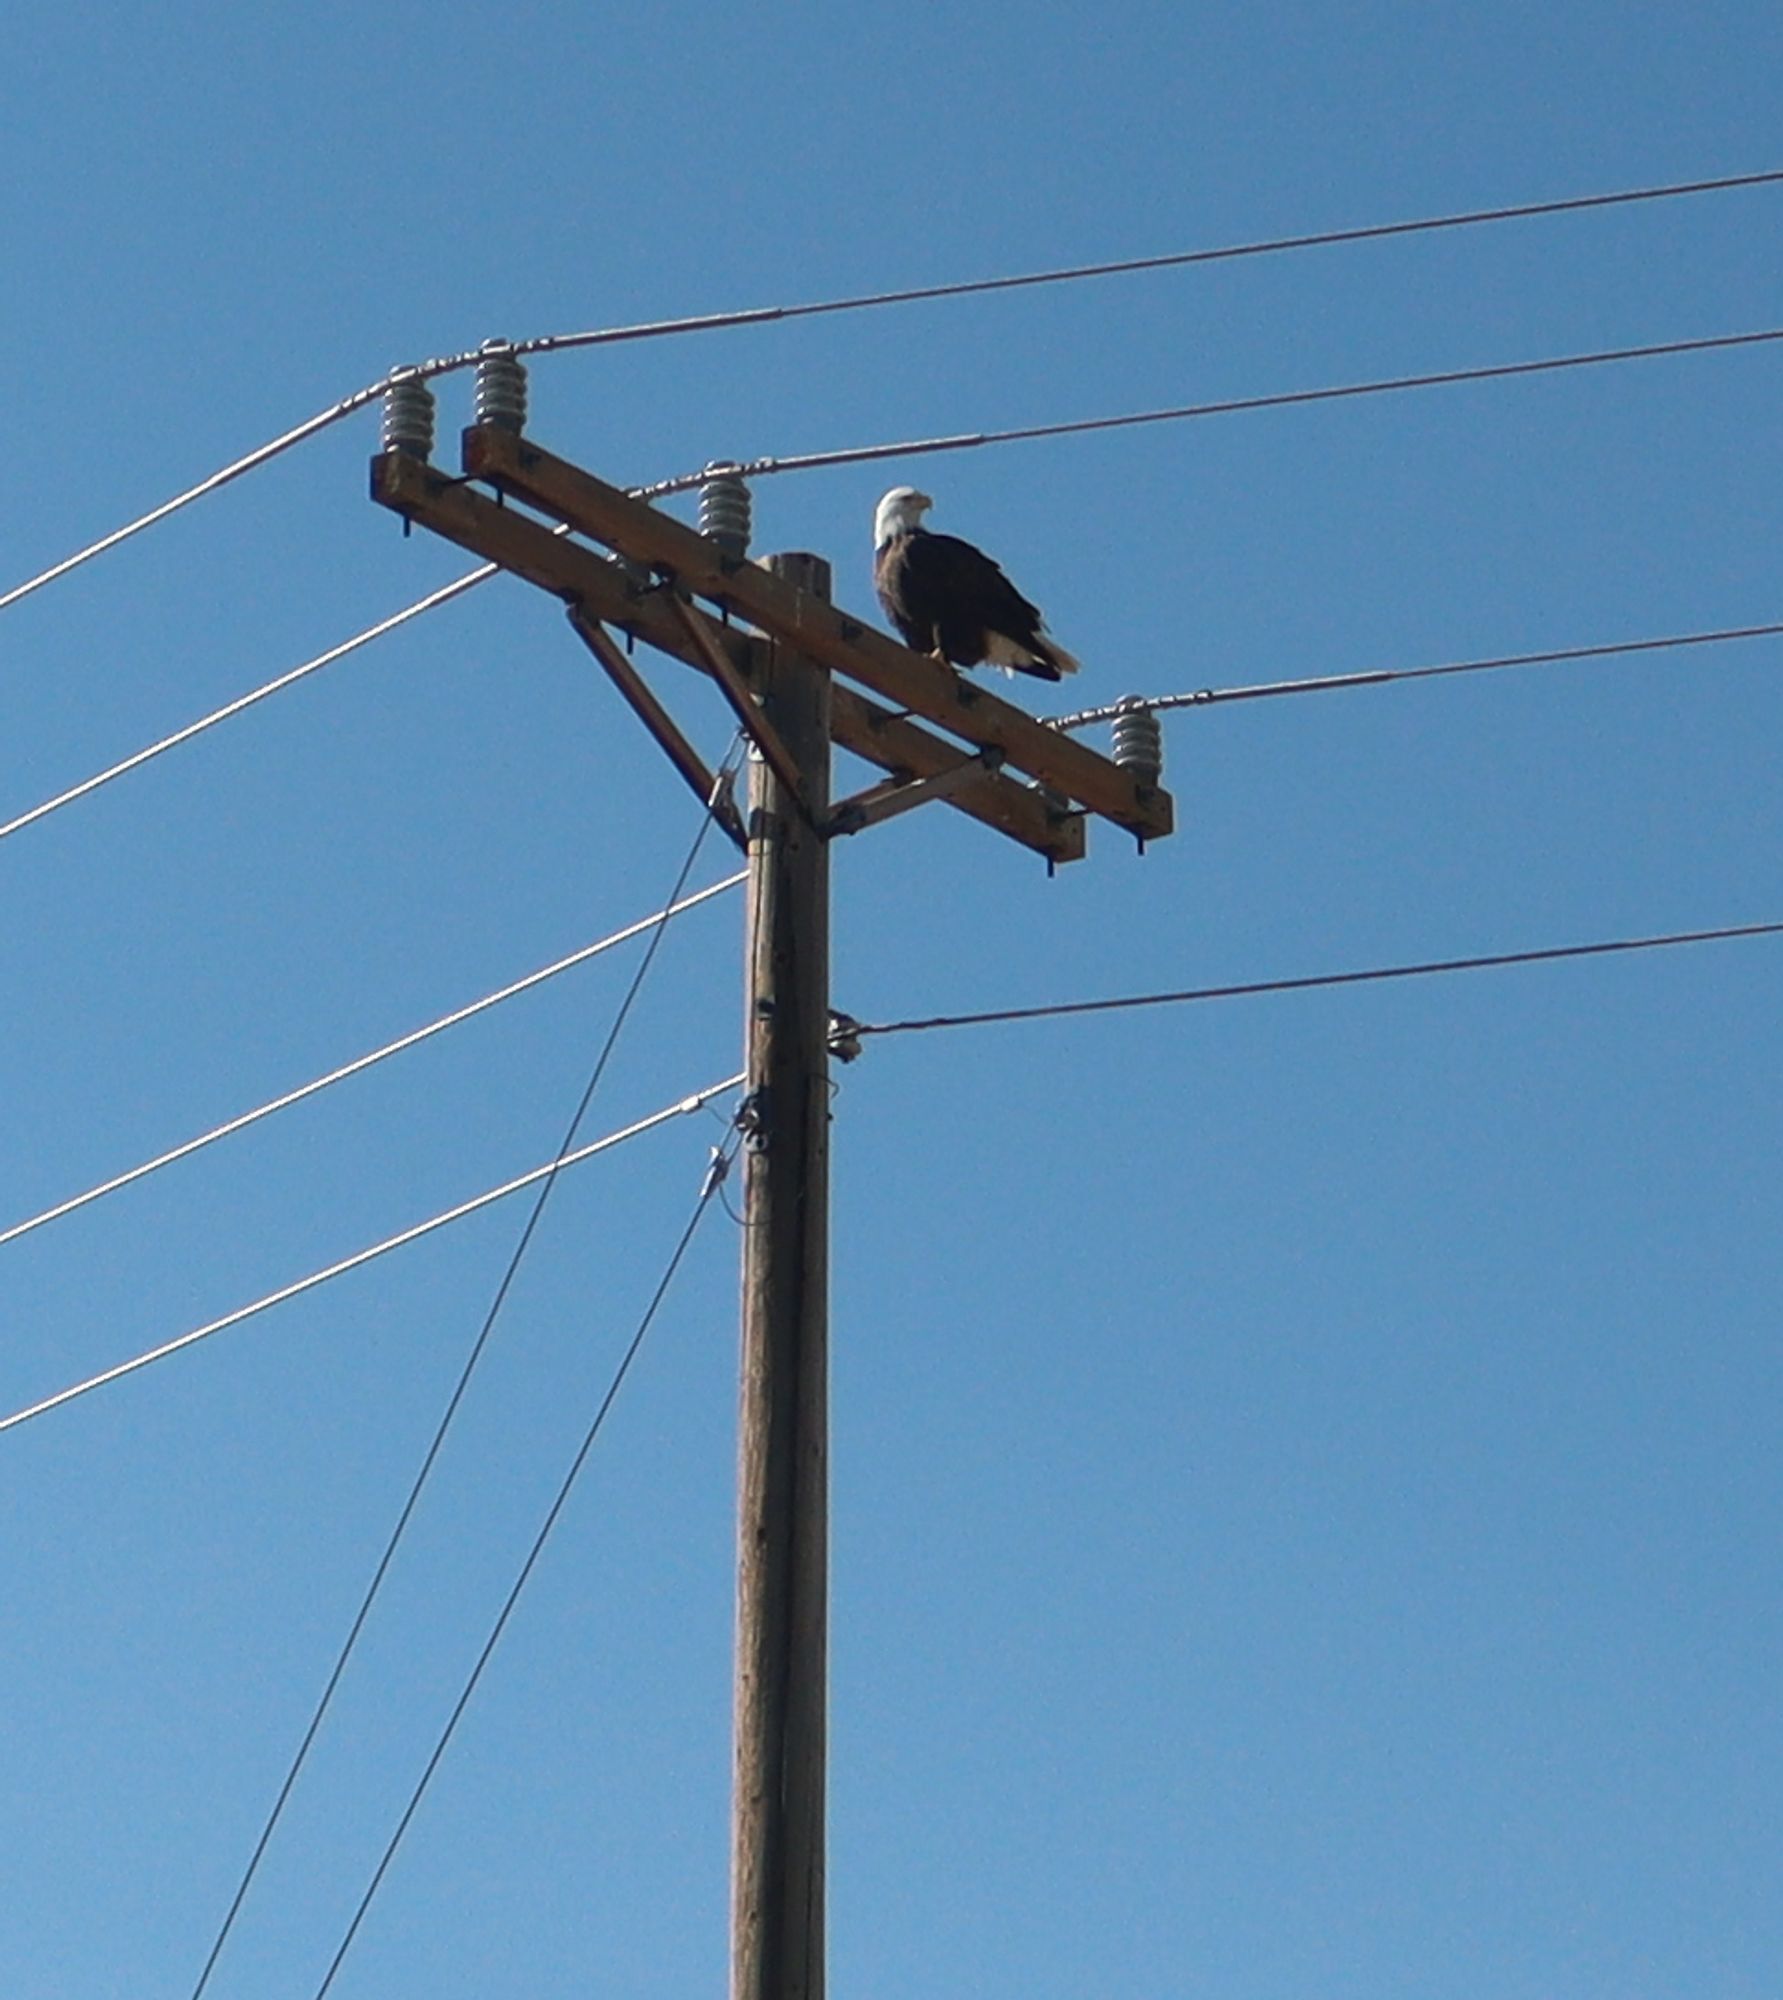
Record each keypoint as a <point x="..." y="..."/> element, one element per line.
<point x="845" y="1036"/>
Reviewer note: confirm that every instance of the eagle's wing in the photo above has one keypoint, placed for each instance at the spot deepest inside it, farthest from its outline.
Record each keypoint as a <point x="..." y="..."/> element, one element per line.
<point x="984" y="616"/>
<point x="946" y="596"/>
<point x="965" y="576"/>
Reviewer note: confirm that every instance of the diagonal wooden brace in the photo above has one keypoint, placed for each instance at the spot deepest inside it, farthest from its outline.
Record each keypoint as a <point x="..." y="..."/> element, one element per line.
<point x="685" y="758"/>
<point x="735" y="690"/>
<point x="894" y="795"/>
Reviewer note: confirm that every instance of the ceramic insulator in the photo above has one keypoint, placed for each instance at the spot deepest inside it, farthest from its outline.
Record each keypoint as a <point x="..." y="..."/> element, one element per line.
<point x="408" y="417"/>
<point x="501" y="388"/>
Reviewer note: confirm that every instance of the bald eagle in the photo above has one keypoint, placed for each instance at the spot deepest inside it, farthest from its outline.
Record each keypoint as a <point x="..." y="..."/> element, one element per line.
<point x="949" y="599"/>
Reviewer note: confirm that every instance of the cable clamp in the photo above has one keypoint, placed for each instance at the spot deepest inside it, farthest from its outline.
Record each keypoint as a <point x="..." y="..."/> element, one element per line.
<point x="752" y="1120"/>
<point x="721" y="802"/>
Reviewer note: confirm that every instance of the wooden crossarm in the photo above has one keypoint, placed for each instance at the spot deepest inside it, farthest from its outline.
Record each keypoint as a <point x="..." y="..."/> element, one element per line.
<point x="817" y="629"/>
<point x="577" y="574"/>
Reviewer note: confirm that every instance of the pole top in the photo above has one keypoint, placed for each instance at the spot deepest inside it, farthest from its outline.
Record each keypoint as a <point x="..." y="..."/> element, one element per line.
<point x="803" y="570"/>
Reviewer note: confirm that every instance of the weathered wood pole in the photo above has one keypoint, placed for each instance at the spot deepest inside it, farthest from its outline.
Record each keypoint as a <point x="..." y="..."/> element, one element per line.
<point x="777" y="1854"/>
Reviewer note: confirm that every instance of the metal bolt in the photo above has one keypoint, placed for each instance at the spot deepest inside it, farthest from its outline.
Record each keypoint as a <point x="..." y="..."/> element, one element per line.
<point x="408" y="416"/>
<point x="501" y="387"/>
<point x="725" y="512"/>
<point x="1139" y="744"/>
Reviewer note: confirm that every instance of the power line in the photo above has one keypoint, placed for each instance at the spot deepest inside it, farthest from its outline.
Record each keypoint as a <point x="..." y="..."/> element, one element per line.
<point x="1377" y="677"/>
<point x="430" y="1457"/>
<point x="412" y="1039"/>
<point x="412" y="1234"/>
<point x="244" y="702"/>
<point x="715" y="1174"/>
<point x="764" y="468"/>
<point x="1127" y="266"/>
<point x="1314" y="981"/>
<point x="868" y="301"/>
<point x="230" y="709"/>
<point x="1113" y="268"/>
<point x="248" y="462"/>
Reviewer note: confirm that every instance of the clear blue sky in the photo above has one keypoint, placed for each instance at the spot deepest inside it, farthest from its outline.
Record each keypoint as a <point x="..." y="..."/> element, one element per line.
<point x="1305" y="1471"/>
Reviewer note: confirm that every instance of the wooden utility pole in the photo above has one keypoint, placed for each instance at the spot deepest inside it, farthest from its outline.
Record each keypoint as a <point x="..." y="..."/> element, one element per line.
<point x="944" y="740"/>
<point x="777" y="1851"/>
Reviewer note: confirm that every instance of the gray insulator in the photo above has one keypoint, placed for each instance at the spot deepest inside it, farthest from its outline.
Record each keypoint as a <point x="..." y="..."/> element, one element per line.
<point x="501" y="388"/>
<point x="408" y="417"/>
<point x="725" y="513"/>
<point x="1139" y="744"/>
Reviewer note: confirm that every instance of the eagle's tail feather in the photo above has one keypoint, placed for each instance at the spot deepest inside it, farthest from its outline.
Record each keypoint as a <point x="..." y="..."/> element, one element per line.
<point x="1043" y="657"/>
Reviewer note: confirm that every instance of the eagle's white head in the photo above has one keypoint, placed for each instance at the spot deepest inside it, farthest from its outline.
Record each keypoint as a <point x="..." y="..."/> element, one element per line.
<point x="898" y="513"/>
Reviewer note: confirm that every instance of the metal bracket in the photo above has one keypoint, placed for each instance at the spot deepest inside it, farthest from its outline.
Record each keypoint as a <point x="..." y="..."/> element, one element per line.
<point x="752" y="1120"/>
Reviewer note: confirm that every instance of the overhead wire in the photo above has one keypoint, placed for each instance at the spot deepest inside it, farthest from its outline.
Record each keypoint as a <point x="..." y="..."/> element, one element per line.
<point x="869" y="301"/>
<point x="721" y="781"/>
<point x="249" y="461"/>
<point x="866" y="454"/>
<point x="1250" y="989"/>
<point x="412" y="1039"/>
<point x="1120" y="267"/>
<point x="230" y="709"/>
<point x="413" y="1234"/>
<point x="715" y="1174"/>
<point x="1379" y="676"/>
